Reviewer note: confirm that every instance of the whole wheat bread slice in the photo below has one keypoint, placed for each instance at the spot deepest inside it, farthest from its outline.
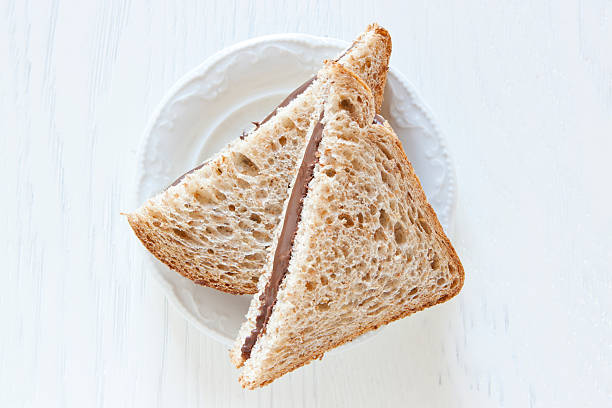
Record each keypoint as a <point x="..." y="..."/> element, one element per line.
<point x="368" y="248"/>
<point x="215" y="224"/>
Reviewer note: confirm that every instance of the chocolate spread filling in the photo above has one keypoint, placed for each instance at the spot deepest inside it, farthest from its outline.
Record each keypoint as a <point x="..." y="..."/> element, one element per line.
<point x="178" y="180"/>
<point x="345" y="51"/>
<point x="282" y="255"/>
<point x="297" y="92"/>
<point x="287" y="101"/>
<point x="284" y="103"/>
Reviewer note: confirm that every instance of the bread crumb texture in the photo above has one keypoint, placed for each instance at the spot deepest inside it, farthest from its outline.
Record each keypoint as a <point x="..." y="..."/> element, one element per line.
<point x="216" y="226"/>
<point x="369" y="250"/>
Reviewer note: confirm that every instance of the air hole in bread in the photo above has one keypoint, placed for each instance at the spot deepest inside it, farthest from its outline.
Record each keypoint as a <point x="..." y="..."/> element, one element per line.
<point x="255" y="218"/>
<point x="386" y="179"/>
<point x="218" y="194"/>
<point x="288" y="123"/>
<point x="324" y="280"/>
<point x="385" y="151"/>
<point x="205" y="198"/>
<point x="181" y="234"/>
<point x="410" y="217"/>
<point x="435" y="262"/>
<point x="261" y="236"/>
<point x="219" y="171"/>
<point x="384" y="219"/>
<point x="243" y="184"/>
<point x="423" y="223"/>
<point x="224" y="230"/>
<point x="373" y="209"/>
<point x="244" y="164"/>
<point x="210" y="251"/>
<point x="231" y="207"/>
<point x="360" y="218"/>
<point x="394" y="206"/>
<point x="254" y="257"/>
<point x="413" y="292"/>
<point x="156" y="224"/>
<point x="379" y="235"/>
<point x="455" y="283"/>
<point x="366" y="300"/>
<point x="400" y="169"/>
<point x="329" y="172"/>
<point x="310" y="285"/>
<point x="346" y="220"/>
<point x="347" y="105"/>
<point x="274" y="209"/>
<point x="399" y="233"/>
<point x="321" y="307"/>
<point x="441" y="281"/>
<point x="282" y="140"/>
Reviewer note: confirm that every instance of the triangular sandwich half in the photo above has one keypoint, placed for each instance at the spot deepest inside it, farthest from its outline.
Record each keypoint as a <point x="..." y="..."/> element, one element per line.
<point x="359" y="245"/>
<point x="215" y="224"/>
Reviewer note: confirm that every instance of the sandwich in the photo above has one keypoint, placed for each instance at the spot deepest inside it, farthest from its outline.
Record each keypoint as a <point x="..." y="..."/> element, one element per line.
<point x="358" y="247"/>
<point x="215" y="224"/>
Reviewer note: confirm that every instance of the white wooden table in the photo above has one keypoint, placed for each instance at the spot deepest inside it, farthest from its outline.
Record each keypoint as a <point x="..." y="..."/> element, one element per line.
<point x="523" y="92"/>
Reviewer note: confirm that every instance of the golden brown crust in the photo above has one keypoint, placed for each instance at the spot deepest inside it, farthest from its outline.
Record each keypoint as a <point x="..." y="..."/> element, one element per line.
<point x="187" y="271"/>
<point x="404" y="313"/>
<point x="379" y="88"/>
<point x="432" y="218"/>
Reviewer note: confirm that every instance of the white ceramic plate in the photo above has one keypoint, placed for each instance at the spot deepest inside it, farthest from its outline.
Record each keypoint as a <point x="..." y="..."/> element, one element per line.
<point x="212" y="104"/>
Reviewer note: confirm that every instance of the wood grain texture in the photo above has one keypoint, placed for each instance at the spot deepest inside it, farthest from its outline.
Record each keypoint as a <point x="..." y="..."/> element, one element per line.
<point x="523" y="91"/>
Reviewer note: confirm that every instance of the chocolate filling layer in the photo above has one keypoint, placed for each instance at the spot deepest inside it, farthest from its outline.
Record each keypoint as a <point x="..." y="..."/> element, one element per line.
<point x="282" y="255"/>
<point x="178" y="180"/>
<point x="297" y="92"/>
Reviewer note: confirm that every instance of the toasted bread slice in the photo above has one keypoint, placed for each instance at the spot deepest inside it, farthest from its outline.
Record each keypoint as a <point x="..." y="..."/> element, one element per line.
<point x="359" y="246"/>
<point x="215" y="224"/>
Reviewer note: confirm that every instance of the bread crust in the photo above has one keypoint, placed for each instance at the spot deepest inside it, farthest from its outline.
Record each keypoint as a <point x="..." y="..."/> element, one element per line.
<point x="432" y="218"/>
<point x="189" y="273"/>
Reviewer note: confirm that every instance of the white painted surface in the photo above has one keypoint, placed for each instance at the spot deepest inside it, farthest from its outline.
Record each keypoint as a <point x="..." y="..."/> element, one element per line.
<point x="523" y="92"/>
